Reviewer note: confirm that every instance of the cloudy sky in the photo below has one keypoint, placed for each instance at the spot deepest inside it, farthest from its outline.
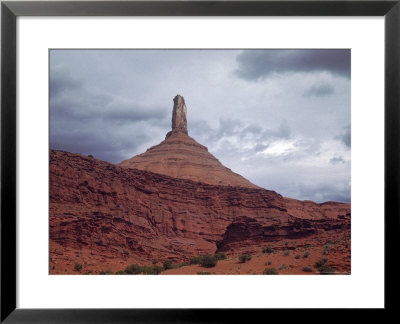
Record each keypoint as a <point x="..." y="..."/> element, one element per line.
<point x="280" y="118"/>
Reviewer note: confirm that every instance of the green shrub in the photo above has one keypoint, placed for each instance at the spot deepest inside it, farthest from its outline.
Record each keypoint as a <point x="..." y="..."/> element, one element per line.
<point x="203" y="273"/>
<point x="307" y="269"/>
<point x="208" y="261"/>
<point x="325" y="270"/>
<point x="106" y="272"/>
<point x="120" y="272"/>
<point x="270" y="271"/>
<point x="152" y="270"/>
<point x="297" y="256"/>
<point x="133" y="269"/>
<point x="137" y="269"/>
<point x="167" y="264"/>
<point x="183" y="264"/>
<point x="268" y="263"/>
<point x="306" y="254"/>
<point x="195" y="260"/>
<point x="327" y="247"/>
<point x="220" y="256"/>
<point x="78" y="266"/>
<point x="90" y="155"/>
<point x="268" y="250"/>
<point x="244" y="257"/>
<point x="321" y="262"/>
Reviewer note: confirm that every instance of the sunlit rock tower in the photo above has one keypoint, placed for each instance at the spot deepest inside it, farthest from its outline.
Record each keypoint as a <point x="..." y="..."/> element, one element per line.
<point x="179" y="122"/>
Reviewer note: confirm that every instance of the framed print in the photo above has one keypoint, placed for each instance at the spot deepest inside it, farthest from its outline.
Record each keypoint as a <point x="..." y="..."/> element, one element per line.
<point x="148" y="144"/>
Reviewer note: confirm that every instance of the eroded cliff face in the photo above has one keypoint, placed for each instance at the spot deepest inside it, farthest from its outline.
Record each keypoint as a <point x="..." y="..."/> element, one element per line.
<point x="106" y="216"/>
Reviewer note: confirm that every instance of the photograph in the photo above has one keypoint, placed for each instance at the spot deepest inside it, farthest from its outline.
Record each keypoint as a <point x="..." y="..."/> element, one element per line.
<point x="200" y="161"/>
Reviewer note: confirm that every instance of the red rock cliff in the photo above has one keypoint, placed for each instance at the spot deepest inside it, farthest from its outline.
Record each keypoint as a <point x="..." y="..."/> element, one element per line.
<point x="115" y="215"/>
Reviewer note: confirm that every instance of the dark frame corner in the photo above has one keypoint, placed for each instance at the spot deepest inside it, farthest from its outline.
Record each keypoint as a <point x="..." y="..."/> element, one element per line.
<point x="10" y="10"/>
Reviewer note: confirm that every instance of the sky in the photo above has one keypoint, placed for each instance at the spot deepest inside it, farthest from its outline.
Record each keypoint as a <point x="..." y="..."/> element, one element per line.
<point x="280" y="118"/>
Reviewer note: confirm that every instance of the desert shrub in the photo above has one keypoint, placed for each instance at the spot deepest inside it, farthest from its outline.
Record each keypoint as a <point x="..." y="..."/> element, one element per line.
<point x="183" y="264"/>
<point x="167" y="264"/>
<point x="268" y="263"/>
<point x="120" y="272"/>
<point x="106" y="272"/>
<point x="321" y="262"/>
<point x="152" y="270"/>
<point x="133" y="269"/>
<point x="157" y="269"/>
<point x="268" y="250"/>
<point x="137" y="269"/>
<point x="307" y="269"/>
<point x="203" y="273"/>
<point x="283" y="267"/>
<point x="77" y="266"/>
<point x="154" y="262"/>
<point x="297" y="256"/>
<point x="286" y="253"/>
<point x="220" y="256"/>
<point x="306" y="254"/>
<point x="326" y="270"/>
<point x="327" y="247"/>
<point x="208" y="261"/>
<point x="147" y="270"/>
<point x="244" y="257"/>
<point x="270" y="271"/>
<point x="195" y="260"/>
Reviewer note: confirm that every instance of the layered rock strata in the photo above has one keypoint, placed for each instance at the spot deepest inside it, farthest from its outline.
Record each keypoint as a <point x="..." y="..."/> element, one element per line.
<point x="113" y="214"/>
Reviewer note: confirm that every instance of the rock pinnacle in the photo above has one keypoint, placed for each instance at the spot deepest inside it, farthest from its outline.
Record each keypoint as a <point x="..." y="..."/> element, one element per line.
<point x="179" y="122"/>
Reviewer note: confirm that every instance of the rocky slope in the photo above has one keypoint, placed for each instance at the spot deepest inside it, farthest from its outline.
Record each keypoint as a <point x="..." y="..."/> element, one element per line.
<point x="105" y="216"/>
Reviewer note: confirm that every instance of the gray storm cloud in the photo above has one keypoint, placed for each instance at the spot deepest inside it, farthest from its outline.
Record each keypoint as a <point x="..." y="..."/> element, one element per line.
<point x="261" y="63"/>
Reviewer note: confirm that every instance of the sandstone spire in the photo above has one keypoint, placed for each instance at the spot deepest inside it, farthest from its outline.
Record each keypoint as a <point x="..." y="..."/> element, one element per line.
<point x="179" y="123"/>
<point x="180" y="156"/>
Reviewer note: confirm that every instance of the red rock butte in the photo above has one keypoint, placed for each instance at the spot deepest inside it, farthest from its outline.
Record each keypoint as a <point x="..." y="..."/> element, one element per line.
<point x="180" y="156"/>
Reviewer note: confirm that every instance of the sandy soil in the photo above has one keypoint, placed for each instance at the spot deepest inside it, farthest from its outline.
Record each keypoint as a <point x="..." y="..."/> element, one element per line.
<point x="288" y="258"/>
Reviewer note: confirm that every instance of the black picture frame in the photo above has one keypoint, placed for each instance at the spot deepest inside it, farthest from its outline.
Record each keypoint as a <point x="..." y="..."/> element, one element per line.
<point x="10" y="10"/>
